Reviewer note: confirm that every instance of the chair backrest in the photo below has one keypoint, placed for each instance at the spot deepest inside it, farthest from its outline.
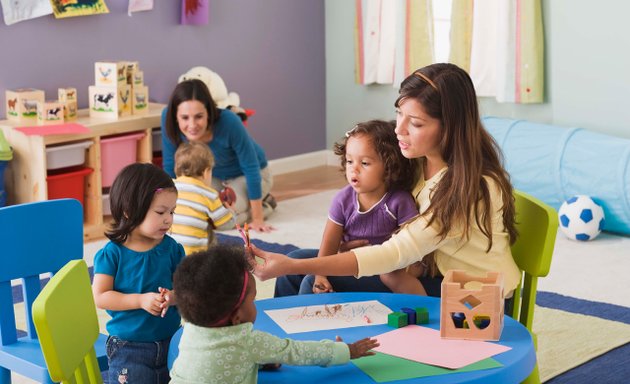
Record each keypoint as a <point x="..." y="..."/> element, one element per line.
<point x="537" y="225"/>
<point x="36" y="238"/>
<point x="65" y="318"/>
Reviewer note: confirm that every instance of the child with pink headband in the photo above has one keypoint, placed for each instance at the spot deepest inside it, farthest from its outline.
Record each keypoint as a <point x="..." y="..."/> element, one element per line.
<point x="215" y="297"/>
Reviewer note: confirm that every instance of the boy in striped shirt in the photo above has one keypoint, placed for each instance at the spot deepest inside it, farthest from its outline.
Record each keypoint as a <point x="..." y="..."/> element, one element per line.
<point x="199" y="208"/>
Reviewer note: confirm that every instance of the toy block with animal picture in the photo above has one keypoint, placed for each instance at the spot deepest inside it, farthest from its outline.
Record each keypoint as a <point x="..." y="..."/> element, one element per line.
<point x="50" y="112"/>
<point x="471" y="306"/>
<point x="138" y="78"/>
<point x="140" y="102"/>
<point x="132" y="67"/>
<point x="124" y="100"/>
<point x="70" y="110"/>
<point x="22" y="104"/>
<point x="110" y="73"/>
<point x="104" y="102"/>
<point x="67" y="94"/>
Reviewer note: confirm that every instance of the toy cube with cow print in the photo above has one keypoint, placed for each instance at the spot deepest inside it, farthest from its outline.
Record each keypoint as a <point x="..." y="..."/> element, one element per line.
<point x="50" y="112"/>
<point x="104" y="102"/>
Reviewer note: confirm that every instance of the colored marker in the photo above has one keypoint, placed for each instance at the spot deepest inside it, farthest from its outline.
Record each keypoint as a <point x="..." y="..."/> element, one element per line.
<point x="367" y="319"/>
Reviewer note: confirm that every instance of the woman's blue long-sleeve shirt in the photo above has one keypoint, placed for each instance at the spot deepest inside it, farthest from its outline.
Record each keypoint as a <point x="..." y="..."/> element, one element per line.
<point x="235" y="152"/>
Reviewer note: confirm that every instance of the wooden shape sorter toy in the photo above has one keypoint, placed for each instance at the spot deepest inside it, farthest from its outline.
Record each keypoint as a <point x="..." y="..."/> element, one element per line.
<point x="471" y="306"/>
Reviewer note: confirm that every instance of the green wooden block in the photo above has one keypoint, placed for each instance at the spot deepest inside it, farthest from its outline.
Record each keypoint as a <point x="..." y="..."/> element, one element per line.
<point x="397" y="319"/>
<point x="422" y="316"/>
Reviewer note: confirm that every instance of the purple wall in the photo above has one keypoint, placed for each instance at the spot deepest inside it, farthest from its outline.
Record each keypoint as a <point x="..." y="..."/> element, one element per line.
<point x="270" y="52"/>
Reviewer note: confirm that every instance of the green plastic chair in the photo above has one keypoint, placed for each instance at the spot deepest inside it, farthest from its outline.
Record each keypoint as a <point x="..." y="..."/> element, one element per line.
<point x="537" y="225"/>
<point x="65" y="318"/>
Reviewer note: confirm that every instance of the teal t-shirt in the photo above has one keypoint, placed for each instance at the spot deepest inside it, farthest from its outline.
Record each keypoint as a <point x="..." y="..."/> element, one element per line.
<point x="141" y="272"/>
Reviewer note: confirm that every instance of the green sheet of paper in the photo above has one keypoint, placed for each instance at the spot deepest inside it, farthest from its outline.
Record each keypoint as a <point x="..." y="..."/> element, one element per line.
<point x="382" y="368"/>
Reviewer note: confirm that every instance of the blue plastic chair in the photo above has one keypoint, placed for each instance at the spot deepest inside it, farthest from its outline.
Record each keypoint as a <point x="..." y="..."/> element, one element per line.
<point x="36" y="238"/>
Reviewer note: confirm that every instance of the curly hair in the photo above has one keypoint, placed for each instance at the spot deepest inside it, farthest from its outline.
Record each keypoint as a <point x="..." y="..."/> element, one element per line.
<point x="131" y="195"/>
<point x="208" y="283"/>
<point x="400" y="173"/>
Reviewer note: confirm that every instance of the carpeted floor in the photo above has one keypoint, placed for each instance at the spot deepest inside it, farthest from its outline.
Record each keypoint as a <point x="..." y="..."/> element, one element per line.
<point x="583" y="315"/>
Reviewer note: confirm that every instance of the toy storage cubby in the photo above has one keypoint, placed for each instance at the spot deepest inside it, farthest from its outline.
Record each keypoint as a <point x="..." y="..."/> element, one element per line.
<point x="29" y="174"/>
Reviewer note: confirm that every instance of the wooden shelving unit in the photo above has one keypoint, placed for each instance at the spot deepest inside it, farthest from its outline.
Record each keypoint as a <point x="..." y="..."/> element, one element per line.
<point x="26" y="174"/>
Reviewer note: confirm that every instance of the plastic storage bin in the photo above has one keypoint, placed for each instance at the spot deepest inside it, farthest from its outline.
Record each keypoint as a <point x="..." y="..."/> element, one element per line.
<point x="68" y="155"/>
<point x="156" y="140"/>
<point x="6" y="154"/>
<point x="106" y="208"/>
<point x="116" y="153"/>
<point x="69" y="182"/>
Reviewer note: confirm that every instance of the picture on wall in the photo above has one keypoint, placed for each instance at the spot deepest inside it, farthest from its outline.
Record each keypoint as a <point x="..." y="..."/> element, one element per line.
<point x="195" y="12"/>
<point x="15" y="11"/>
<point x="71" y="8"/>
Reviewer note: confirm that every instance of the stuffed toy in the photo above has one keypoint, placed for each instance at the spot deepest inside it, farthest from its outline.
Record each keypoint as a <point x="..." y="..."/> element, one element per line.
<point x="217" y="88"/>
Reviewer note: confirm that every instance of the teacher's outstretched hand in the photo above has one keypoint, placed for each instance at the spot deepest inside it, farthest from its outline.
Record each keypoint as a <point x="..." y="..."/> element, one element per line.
<point x="275" y="264"/>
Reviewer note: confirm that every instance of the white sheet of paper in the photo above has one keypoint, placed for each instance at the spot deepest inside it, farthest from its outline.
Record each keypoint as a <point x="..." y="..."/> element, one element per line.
<point x="330" y="316"/>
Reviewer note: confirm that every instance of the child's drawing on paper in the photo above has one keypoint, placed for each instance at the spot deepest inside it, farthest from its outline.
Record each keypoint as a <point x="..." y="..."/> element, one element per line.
<point x="70" y="8"/>
<point x="20" y="10"/>
<point x="330" y="316"/>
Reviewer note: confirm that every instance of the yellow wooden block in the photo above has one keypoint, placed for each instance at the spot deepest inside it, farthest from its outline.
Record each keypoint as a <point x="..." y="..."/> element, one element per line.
<point x="70" y="110"/>
<point x="67" y="94"/>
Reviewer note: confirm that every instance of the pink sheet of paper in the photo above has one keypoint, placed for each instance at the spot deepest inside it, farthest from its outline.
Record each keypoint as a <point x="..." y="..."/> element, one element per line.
<point x="425" y="345"/>
<point x="57" y="129"/>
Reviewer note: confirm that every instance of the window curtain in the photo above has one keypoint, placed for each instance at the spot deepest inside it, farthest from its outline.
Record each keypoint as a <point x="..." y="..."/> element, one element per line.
<point x="500" y="43"/>
<point x="392" y="39"/>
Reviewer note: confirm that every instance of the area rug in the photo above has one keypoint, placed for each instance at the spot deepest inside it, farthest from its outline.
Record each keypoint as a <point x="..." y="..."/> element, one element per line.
<point x="583" y="336"/>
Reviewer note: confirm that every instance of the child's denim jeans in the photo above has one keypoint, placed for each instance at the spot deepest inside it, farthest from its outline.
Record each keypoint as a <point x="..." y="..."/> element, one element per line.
<point x="136" y="362"/>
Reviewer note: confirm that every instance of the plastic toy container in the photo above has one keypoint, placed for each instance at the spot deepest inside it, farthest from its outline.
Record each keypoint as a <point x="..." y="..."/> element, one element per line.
<point x="6" y="154"/>
<point x="106" y="208"/>
<point x="69" y="182"/>
<point x="68" y="155"/>
<point x="156" y="140"/>
<point x="116" y="153"/>
<point x="157" y="161"/>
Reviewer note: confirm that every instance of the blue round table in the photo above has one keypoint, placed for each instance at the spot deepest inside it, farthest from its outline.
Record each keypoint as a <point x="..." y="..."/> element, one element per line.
<point x="518" y="362"/>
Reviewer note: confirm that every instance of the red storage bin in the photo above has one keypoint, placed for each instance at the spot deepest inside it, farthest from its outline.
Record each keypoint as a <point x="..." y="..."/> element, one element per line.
<point x="67" y="183"/>
<point x="116" y="153"/>
<point x="157" y="161"/>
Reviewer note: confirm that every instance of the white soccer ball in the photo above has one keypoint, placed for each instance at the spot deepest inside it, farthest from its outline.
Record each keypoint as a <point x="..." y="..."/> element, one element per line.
<point x="581" y="218"/>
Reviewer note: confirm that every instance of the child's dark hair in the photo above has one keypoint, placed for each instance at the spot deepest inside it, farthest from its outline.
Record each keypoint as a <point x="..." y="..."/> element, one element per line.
<point x="400" y="172"/>
<point x="131" y="195"/>
<point x="208" y="283"/>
